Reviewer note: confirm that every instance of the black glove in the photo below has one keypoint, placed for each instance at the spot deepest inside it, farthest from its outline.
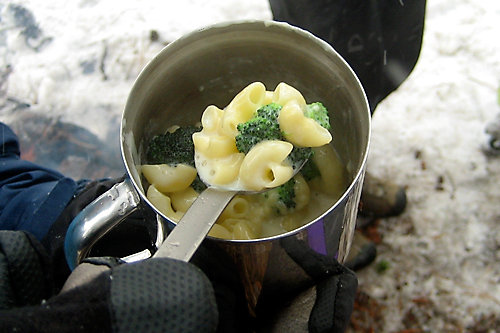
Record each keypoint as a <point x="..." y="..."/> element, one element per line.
<point x="155" y="295"/>
<point x="25" y="274"/>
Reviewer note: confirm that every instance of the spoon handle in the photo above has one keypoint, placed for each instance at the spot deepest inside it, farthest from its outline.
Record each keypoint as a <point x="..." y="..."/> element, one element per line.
<point x="191" y="230"/>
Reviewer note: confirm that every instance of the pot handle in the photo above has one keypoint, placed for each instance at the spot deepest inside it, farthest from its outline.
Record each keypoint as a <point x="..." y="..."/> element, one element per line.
<point x="99" y="217"/>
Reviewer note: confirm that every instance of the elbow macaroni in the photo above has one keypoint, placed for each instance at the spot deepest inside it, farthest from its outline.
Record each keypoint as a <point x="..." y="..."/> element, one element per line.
<point x="167" y="178"/>
<point x="264" y="166"/>
<point x="300" y="130"/>
<point x="163" y="203"/>
<point x="285" y="93"/>
<point x="242" y="107"/>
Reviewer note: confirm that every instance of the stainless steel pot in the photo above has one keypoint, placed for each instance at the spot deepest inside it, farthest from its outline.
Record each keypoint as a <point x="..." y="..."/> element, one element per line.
<point x="210" y="66"/>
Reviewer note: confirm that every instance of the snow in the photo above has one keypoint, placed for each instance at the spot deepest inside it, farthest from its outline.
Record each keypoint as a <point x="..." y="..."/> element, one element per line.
<point x="429" y="135"/>
<point x="111" y="42"/>
<point x="431" y="132"/>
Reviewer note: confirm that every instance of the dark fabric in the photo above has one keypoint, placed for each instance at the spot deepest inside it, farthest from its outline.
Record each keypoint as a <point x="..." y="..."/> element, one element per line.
<point x="334" y="302"/>
<point x="380" y="39"/>
<point x="110" y="262"/>
<point x="31" y="197"/>
<point x="24" y="270"/>
<point x="7" y="298"/>
<point x="84" y="309"/>
<point x="162" y="295"/>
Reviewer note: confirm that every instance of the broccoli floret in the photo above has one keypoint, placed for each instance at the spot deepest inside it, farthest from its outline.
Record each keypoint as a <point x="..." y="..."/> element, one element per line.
<point x="286" y="193"/>
<point x="172" y="147"/>
<point x="282" y="198"/>
<point x="270" y="111"/>
<point x="263" y="126"/>
<point x="310" y="170"/>
<point x="198" y="185"/>
<point x="300" y="154"/>
<point x="318" y="112"/>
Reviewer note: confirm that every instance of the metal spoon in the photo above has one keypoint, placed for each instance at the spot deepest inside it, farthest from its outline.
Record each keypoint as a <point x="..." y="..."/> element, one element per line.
<point x="193" y="227"/>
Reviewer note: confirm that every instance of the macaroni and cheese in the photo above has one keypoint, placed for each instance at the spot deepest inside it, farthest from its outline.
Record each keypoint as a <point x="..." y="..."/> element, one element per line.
<point x="265" y="165"/>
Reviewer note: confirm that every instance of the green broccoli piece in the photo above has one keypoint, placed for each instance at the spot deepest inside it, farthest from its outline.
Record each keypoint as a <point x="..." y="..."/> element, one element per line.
<point x="172" y="147"/>
<point x="282" y="198"/>
<point x="263" y="126"/>
<point x="270" y="111"/>
<point x="310" y="170"/>
<point x="286" y="193"/>
<point x="198" y="185"/>
<point x="299" y="155"/>
<point x="318" y="112"/>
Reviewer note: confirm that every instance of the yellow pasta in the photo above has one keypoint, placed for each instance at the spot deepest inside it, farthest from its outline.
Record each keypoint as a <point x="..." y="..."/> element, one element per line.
<point x="163" y="203"/>
<point x="239" y="207"/>
<point x="240" y="228"/>
<point x="218" y="231"/>
<point x="242" y="107"/>
<point x="182" y="200"/>
<point x="332" y="180"/>
<point x="265" y="167"/>
<point x="211" y="120"/>
<point x="300" y="130"/>
<point x="285" y="93"/>
<point x="167" y="178"/>
<point x="214" y="146"/>
<point x="292" y="221"/>
<point x="268" y="99"/>
<point x="302" y="192"/>
<point x="220" y="171"/>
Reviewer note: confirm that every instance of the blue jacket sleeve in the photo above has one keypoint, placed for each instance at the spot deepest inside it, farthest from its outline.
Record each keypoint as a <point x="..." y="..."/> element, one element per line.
<point x="31" y="196"/>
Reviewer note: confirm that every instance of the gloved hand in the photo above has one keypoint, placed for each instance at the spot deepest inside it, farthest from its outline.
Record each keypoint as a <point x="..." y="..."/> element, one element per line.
<point x="156" y="295"/>
<point x="323" y="305"/>
<point x="212" y="261"/>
